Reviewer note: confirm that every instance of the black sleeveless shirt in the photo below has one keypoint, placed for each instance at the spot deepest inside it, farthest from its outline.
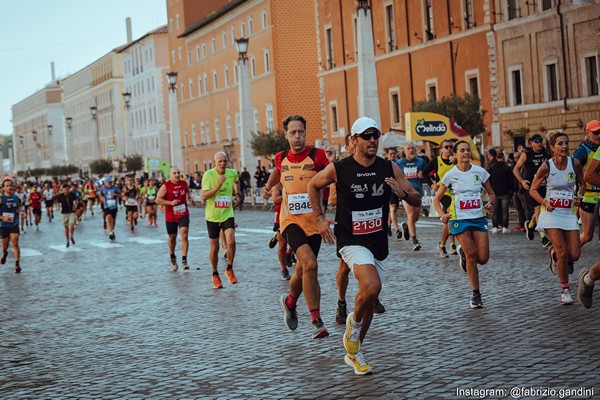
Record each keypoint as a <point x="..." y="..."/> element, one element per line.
<point x="363" y="205"/>
<point x="533" y="162"/>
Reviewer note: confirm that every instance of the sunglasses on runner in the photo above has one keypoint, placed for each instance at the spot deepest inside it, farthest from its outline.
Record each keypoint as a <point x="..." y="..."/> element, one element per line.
<point x="596" y="132"/>
<point x="537" y="140"/>
<point x="448" y="147"/>
<point x="369" y="135"/>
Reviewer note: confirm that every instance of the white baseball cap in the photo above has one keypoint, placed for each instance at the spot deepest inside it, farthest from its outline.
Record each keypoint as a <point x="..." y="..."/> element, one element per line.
<point x="362" y="124"/>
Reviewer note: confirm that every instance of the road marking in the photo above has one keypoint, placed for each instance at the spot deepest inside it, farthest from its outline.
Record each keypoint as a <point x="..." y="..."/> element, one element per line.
<point x="196" y="237"/>
<point x="25" y="252"/>
<point x="64" y="249"/>
<point x="254" y="230"/>
<point x="144" y="240"/>
<point x="105" y="245"/>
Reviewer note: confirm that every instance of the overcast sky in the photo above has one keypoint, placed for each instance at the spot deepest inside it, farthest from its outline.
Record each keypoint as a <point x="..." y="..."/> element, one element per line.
<point x="72" y="33"/>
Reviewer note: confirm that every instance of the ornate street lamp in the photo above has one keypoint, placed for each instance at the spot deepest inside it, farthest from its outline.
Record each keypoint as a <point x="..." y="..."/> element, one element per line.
<point x="242" y="47"/>
<point x="69" y="122"/>
<point x="34" y="133"/>
<point x="127" y="98"/>
<point x="94" y="111"/>
<point x="172" y="79"/>
<point x="50" y="129"/>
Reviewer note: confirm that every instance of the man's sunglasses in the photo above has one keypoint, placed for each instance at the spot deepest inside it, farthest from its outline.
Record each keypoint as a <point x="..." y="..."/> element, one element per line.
<point x="537" y="140"/>
<point x="369" y="135"/>
<point x="596" y="132"/>
<point x="448" y="147"/>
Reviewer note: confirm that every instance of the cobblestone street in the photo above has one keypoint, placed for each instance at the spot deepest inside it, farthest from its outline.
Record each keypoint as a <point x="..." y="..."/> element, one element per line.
<point x="110" y="320"/>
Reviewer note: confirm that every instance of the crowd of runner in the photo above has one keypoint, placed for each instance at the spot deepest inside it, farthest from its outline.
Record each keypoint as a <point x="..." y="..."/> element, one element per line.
<point x="553" y="192"/>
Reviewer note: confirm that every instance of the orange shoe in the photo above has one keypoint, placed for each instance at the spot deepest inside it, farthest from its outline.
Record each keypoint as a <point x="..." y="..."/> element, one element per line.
<point x="217" y="284"/>
<point x="231" y="276"/>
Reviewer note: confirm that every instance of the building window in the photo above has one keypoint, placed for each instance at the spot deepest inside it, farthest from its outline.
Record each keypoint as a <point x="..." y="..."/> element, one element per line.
<point x="194" y="135"/>
<point x="203" y="51"/>
<point x="429" y="33"/>
<point x="228" y="127"/>
<point x="235" y="72"/>
<point x="215" y="79"/>
<point x="185" y="138"/>
<point x="512" y="9"/>
<point x="203" y="132"/>
<point x="545" y="4"/>
<point x="252" y="66"/>
<point x="390" y="29"/>
<point x="329" y="48"/>
<point x="243" y="25"/>
<point x="472" y="82"/>
<point x="178" y="21"/>
<point x="207" y="132"/>
<point x="171" y="24"/>
<point x="333" y="115"/>
<point x="226" y="73"/>
<point x="395" y="106"/>
<point x="250" y="26"/>
<point x="270" y="119"/>
<point x="264" y="19"/>
<point x="232" y="34"/>
<point x="224" y="39"/>
<point x="468" y="14"/>
<point x="217" y="130"/>
<point x="238" y="125"/>
<point x="431" y="88"/>
<point x="200" y="88"/>
<point x="214" y="45"/>
<point x="515" y="87"/>
<point x="590" y="73"/>
<point x="256" y="120"/>
<point x="551" y="81"/>
<point x="267" y="66"/>
<point x="205" y="83"/>
<point x="173" y="56"/>
<point x="197" y="53"/>
<point x="182" y="88"/>
<point x="191" y="86"/>
<point x="179" y="53"/>
<point x="189" y="56"/>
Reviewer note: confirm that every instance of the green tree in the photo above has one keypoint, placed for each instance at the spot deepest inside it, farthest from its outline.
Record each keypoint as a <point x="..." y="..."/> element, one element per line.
<point x="134" y="163"/>
<point x="268" y="144"/>
<point x="465" y="111"/>
<point x="101" y="166"/>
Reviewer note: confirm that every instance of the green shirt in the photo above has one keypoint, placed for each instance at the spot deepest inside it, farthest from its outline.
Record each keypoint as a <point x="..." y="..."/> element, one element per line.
<point x="219" y="208"/>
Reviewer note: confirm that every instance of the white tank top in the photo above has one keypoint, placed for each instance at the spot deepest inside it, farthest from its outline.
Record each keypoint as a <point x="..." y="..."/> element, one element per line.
<point x="560" y="188"/>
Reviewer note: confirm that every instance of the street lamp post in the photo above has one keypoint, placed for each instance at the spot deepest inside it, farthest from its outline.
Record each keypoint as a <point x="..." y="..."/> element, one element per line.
<point x="95" y="140"/>
<point x="175" y="136"/>
<point x="246" y="115"/>
<point x="22" y="154"/>
<point x="50" y="145"/>
<point x="10" y="157"/>
<point x="69" y="142"/>
<point x="1" y="160"/>
<point x="128" y="133"/>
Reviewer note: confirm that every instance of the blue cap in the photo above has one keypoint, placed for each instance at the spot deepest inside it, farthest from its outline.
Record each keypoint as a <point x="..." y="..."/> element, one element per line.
<point x="108" y="179"/>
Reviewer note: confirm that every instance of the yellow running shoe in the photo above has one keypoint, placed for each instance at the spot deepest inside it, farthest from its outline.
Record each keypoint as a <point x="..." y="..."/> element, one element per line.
<point x="359" y="363"/>
<point x="351" y="338"/>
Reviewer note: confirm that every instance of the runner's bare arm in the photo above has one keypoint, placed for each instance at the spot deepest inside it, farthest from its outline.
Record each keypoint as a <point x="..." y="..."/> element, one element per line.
<point x="321" y="180"/>
<point x="274" y="179"/>
<point x="592" y="173"/>
<point x="404" y="190"/>
<point x="517" y="171"/>
<point x="540" y="175"/>
<point x="160" y="196"/>
<point x="491" y="196"/>
<point x="437" y="203"/>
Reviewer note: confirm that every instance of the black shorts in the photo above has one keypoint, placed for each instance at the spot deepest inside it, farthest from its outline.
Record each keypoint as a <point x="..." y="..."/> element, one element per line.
<point x="131" y="208"/>
<point x="214" y="228"/>
<point x="91" y="199"/>
<point x="150" y="203"/>
<point x="49" y="203"/>
<point x="5" y="232"/>
<point x="587" y="207"/>
<point x="530" y="201"/>
<point x="394" y="199"/>
<point x="37" y="211"/>
<point x="173" y="227"/>
<point x="296" y="237"/>
<point x="446" y="201"/>
<point x="112" y="212"/>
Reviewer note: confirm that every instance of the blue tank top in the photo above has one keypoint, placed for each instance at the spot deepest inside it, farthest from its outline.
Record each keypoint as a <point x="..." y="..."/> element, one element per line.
<point x="9" y="207"/>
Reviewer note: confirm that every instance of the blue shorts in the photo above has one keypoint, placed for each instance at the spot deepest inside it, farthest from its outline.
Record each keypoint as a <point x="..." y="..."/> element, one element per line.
<point x="462" y="225"/>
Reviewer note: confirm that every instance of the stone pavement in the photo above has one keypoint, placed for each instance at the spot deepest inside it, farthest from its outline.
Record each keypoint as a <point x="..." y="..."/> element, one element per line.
<point x="103" y="320"/>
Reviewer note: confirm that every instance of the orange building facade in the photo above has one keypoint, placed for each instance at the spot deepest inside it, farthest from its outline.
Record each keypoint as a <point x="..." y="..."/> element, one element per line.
<point x="282" y="66"/>
<point x="422" y="49"/>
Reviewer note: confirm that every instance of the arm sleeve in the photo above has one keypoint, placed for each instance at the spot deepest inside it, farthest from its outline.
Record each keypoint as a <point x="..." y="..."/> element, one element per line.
<point x="321" y="160"/>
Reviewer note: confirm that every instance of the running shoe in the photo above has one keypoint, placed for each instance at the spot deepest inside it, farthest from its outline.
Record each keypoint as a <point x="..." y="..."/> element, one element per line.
<point x="442" y="251"/>
<point x="3" y="259"/>
<point x="318" y="329"/>
<point x="494" y="230"/>
<point x="546" y="242"/>
<point x="351" y="338"/>
<point x="104" y="225"/>
<point x="285" y="275"/>
<point x="174" y="265"/>
<point x="290" y="317"/>
<point x="518" y="228"/>
<point x="73" y="240"/>
<point x="565" y="297"/>
<point x="378" y="308"/>
<point x="273" y="241"/>
<point x="17" y="269"/>
<point x="529" y="230"/>
<point x="217" y="284"/>
<point x="585" y="292"/>
<point x="67" y="245"/>
<point x="553" y="259"/>
<point x="462" y="258"/>
<point x="341" y="313"/>
<point x="112" y="236"/>
<point x="358" y="362"/>
<point x="571" y="267"/>
<point x="398" y="235"/>
<point x="185" y="265"/>
<point x="505" y="230"/>
<point x="453" y="250"/>
<point x="405" y="231"/>
<point x="231" y="276"/>
<point x="389" y="231"/>
<point x="416" y="246"/>
<point x="476" y="301"/>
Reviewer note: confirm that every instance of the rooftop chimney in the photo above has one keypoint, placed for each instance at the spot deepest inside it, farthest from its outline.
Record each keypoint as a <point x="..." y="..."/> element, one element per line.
<point x="128" y="24"/>
<point x="52" y="71"/>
